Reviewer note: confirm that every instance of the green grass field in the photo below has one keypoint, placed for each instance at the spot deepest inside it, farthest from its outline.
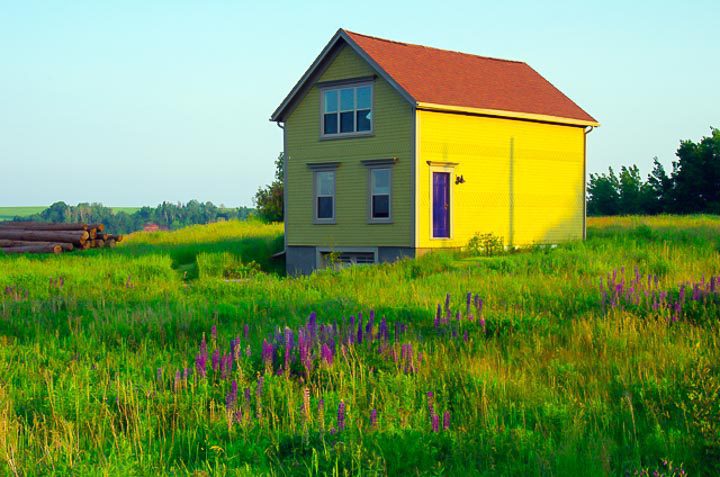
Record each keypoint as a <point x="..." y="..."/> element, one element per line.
<point x="8" y="213"/>
<point x="188" y="353"/>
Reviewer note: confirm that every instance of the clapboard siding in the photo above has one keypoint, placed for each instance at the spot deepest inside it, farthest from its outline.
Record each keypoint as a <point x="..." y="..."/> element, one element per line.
<point x="393" y="137"/>
<point x="547" y="185"/>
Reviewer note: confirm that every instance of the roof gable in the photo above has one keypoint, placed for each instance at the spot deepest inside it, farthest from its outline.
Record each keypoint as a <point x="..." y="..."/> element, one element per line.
<point x="437" y="78"/>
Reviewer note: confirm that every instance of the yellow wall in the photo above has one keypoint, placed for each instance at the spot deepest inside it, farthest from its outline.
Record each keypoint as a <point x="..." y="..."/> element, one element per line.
<point x="547" y="182"/>
<point x="393" y="137"/>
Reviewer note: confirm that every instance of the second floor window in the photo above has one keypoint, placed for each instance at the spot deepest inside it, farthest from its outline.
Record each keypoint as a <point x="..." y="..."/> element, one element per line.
<point x="347" y="110"/>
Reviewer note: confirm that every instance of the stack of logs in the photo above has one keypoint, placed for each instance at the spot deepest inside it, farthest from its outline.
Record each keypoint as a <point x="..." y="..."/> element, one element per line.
<point x="39" y="237"/>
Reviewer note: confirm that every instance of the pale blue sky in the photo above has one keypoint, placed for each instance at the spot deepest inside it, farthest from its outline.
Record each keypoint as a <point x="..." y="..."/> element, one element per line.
<point x="136" y="102"/>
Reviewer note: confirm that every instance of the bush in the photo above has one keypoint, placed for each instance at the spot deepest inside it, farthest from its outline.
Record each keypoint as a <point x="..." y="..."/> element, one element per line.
<point x="486" y="245"/>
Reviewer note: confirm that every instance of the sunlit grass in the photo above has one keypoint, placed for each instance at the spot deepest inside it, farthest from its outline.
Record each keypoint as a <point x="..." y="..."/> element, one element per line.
<point x="552" y="381"/>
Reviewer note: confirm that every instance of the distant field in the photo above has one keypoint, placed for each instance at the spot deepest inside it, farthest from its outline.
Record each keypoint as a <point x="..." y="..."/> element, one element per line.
<point x="7" y="213"/>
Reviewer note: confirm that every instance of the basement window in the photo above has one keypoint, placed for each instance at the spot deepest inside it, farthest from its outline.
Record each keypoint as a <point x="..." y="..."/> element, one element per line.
<point x="342" y="259"/>
<point x="347" y="111"/>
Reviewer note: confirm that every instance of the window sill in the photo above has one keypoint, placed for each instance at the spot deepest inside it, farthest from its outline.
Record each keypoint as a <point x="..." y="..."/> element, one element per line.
<point x="380" y="222"/>
<point x="323" y="221"/>
<point x="333" y="137"/>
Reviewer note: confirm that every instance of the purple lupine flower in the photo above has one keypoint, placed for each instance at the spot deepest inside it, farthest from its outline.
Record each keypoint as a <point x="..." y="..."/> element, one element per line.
<point x="231" y="397"/>
<point x="447" y="302"/>
<point x="216" y="360"/>
<point x="430" y="401"/>
<point x="327" y="354"/>
<point x="713" y="284"/>
<point x="288" y="348"/>
<point x="351" y="333"/>
<point x="468" y="301"/>
<point x="259" y="389"/>
<point x="226" y="366"/>
<point x="360" y="328"/>
<point x="446" y="420"/>
<point x="681" y="295"/>
<point x="312" y="325"/>
<point x="696" y="294"/>
<point x="341" y="417"/>
<point x="203" y="346"/>
<point x="435" y="419"/>
<point x="213" y="332"/>
<point x="383" y="329"/>
<point x="267" y="353"/>
<point x="373" y="418"/>
<point x="246" y="330"/>
<point x="458" y="317"/>
<point x="233" y="346"/>
<point x="438" y="316"/>
<point x="248" y="351"/>
<point x="201" y="364"/>
<point x="466" y="337"/>
<point x="186" y="374"/>
<point x="248" y="396"/>
<point x="178" y="381"/>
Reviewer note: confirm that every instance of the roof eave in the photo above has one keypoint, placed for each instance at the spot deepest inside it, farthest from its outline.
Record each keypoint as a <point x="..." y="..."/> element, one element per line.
<point x="280" y="112"/>
<point x="506" y="114"/>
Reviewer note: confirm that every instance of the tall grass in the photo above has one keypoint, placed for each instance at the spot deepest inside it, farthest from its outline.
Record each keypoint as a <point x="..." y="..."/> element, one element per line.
<point x="103" y="367"/>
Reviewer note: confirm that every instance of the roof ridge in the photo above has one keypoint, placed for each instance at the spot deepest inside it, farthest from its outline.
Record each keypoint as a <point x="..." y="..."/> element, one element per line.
<point x="434" y="48"/>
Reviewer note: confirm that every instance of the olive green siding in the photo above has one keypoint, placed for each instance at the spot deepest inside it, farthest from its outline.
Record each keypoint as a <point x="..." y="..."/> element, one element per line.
<point x="393" y="137"/>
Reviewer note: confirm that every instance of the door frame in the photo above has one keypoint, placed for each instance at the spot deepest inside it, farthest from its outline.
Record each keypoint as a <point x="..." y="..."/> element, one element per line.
<point x="448" y="167"/>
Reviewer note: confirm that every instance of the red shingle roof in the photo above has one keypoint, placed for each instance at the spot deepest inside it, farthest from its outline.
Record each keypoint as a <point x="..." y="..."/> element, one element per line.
<point x="449" y="78"/>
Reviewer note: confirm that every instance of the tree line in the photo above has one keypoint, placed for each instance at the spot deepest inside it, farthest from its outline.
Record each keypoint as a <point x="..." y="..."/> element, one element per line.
<point x="693" y="185"/>
<point x="166" y="215"/>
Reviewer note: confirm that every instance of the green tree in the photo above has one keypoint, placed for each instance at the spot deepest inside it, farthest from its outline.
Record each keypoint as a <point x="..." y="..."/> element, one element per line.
<point x="661" y="186"/>
<point x="696" y="176"/>
<point x="269" y="199"/>
<point x="603" y="194"/>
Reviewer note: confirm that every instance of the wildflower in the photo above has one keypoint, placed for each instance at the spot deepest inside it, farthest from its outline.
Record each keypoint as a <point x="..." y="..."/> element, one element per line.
<point x="231" y="397"/>
<point x="216" y="360"/>
<point x="468" y="301"/>
<point x="259" y="389"/>
<point x="446" y="420"/>
<point x="435" y="419"/>
<point x="178" y="381"/>
<point x="186" y="374"/>
<point x="312" y="325"/>
<point x="438" y="316"/>
<point x="326" y="354"/>
<point x="373" y="418"/>
<point x="383" y="329"/>
<point x="306" y="402"/>
<point x="321" y="413"/>
<point x="267" y="354"/>
<point x="213" y="332"/>
<point x="341" y="416"/>
<point x="430" y="401"/>
<point x="247" y="396"/>
<point x="360" y="329"/>
<point x="447" y="302"/>
<point x="201" y="364"/>
<point x="226" y="364"/>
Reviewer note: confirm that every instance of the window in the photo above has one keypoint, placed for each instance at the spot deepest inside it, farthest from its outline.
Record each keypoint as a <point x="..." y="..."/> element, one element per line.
<point x="325" y="196"/>
<point x="380" y="194"/>
<point x="347" y="111"/>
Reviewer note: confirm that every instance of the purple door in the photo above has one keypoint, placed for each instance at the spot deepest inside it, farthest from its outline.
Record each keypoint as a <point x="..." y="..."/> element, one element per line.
<point x="441" y="204"/>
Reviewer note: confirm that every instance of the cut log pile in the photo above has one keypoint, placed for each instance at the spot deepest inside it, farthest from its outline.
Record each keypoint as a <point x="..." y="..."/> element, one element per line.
<point x="40" y="237"/>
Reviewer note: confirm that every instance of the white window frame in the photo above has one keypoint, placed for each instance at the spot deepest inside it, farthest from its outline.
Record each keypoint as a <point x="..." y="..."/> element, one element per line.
<point x="371" y="183"/>
<point x="372" y="165"/>
<point x="337" y="88"/>
<point x="316" y="196"/>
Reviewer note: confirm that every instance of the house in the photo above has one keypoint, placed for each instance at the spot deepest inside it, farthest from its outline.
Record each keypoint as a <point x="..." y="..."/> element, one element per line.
<point x="393" y="150"/>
